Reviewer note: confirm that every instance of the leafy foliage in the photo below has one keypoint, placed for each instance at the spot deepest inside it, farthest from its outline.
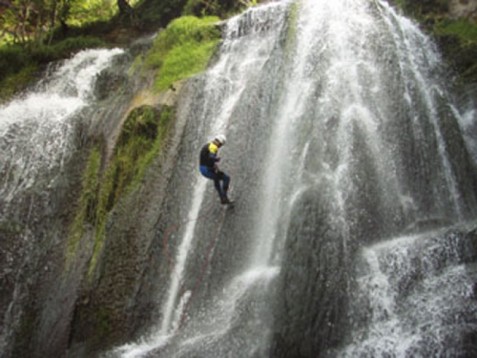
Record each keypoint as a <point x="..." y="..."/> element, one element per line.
<point x="29" y="22"/>
<point x="12" y="60"/>
<point x="215" y="7"/>
<point x="87" y="11"/>
<point x="16" y="82"/>
<point x="183" y="49"/>
<point x="45" y="54"/>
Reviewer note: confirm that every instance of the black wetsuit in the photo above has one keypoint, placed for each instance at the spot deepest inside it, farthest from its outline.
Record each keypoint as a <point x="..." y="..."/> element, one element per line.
<point x="208" y="159"/>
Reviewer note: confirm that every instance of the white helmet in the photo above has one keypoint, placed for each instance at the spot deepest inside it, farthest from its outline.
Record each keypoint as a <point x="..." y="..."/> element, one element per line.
<point x="220" y="139"/>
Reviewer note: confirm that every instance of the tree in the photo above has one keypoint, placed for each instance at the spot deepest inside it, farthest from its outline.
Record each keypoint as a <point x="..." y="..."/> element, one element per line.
<point x="30" y="21"/>
<point x="124" y="7"/>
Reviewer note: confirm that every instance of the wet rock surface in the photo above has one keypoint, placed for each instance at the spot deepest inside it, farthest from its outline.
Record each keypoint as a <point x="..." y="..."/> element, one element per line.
<point x="312" y="299"/>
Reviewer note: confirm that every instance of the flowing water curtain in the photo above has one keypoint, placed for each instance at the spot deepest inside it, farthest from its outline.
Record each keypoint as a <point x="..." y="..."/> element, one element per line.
<point x="224" y="94"/>
<point x="346" y="141"/>
<point x="38" y="135"/>
<point x="37" y="130"/>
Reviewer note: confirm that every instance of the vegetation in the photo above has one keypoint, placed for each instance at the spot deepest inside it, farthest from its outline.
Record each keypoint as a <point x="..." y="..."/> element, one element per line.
<point x="19" y="67"/>
<point x="154" y="14"/>
<point x="462" y="28"/>
<point x="221" y="8"/>
<point x="30" y="36"/>
<point x="292" y="28"/>
<point x="86" y="214"/>
<point x="456" y="37"/>
<point x="182" y="49"/>
<point x="140" y="141"/>
<point x="36" y="32"/>
<point x="32" y="22"/>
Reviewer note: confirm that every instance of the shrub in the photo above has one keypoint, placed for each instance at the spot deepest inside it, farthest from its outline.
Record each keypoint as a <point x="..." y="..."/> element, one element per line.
<point x="62" y="49"/>
<point x="13" y="83"/>
<point x="12" y="59"/>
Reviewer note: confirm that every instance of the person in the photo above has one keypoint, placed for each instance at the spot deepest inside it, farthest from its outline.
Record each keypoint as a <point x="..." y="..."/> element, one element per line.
<point x="209" y="169"/>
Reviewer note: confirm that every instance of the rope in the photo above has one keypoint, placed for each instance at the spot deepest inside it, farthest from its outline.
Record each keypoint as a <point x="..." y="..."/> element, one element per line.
<point x="205" y="264"/>
<point x="165" y="243"/>
<point x="174" y="227"/>
<point x="198" y="282"/>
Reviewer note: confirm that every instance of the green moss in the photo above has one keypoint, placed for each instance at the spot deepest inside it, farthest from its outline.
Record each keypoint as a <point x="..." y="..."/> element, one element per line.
<point x="10" y="228"/>
<point x="17" y="82"/>
<point x="457" y="38"/>
<point x="183" y="62"/>
<point x="182" y="49"/>
<point x="140" y="141"/>
<point x="423" y="9"/>
<point x="87" y="205"/>
<point x="103" y="322"/>
<point x="463" y="29"/>
<point x="62" y="49"/>
<point x="292" y="27"/>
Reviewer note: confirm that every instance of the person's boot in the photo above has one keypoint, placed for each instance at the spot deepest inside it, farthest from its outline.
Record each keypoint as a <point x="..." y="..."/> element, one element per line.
<point x="224" y="200"/>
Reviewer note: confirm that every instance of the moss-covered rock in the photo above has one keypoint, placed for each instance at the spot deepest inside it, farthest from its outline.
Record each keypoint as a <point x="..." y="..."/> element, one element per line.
<point x="110" y="194"/>
<point x="183" y="49"/>
<point x="138" y="144"/>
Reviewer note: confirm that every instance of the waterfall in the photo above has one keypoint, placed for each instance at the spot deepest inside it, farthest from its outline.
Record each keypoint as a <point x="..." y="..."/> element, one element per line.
<point x="417" y="296"/>
<point x="36" y="129"/>
<point x="353" y="170"/>
<point x="38" y="139"/>
<point x="353" y="184"/>
<point x="347" y="164"/>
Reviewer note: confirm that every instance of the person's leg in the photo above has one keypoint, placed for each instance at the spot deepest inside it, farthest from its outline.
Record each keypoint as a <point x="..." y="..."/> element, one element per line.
<point x="216" y="177"/>
<point x="225" y="182"/>
<point x="218" y="187"/>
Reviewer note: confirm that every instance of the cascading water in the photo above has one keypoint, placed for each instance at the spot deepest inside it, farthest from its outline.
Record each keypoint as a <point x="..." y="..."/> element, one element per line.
<point x="35" y="130"/>
<point x="346" y="155"/>
<point x="353" y="231"/>
<point x="38" y="139"/>
<point x="236" y="75"/>
<point x="416" y="297"/>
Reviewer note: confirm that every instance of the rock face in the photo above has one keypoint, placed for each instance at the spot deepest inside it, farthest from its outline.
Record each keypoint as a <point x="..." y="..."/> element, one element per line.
<point x="343" y="263"/>
<point x="65" y="288"/>
<point x="119" y="301"/>
<point x="463" y="8"/>
<point x="452" y="24"/>
<point x="312" y="303"/>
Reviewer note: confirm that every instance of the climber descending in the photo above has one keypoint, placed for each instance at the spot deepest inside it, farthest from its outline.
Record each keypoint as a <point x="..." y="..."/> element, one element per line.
<point x="208" y="167"/>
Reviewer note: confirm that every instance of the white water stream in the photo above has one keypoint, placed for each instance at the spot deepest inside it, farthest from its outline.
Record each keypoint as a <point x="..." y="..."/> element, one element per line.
<point x="37" y="138"/>
<point x="36" y="129"/>
<point x="350" y="106"/>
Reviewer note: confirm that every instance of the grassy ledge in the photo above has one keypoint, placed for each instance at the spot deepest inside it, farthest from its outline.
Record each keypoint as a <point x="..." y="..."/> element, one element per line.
<point x="183" y="49"/>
